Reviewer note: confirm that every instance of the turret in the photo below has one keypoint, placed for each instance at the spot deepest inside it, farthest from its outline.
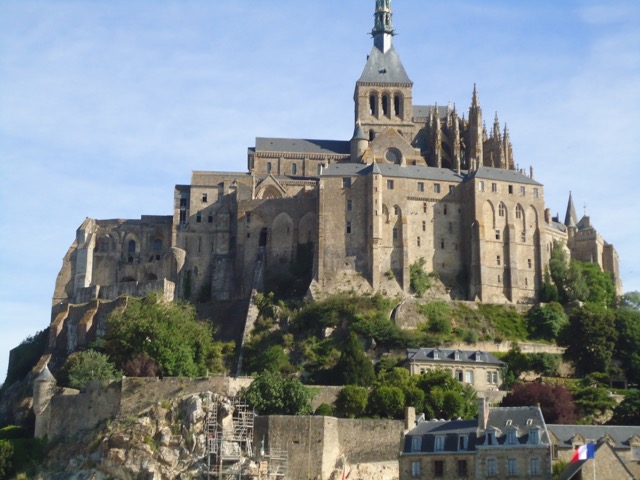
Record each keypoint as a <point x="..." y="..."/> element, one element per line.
<point x="359" y="143"/>
<point x="570" y="218"/>
<point x="496" y="146"/>
<point x="437" y="138"/>
<point x="457" y="149"/>
<point x="508" y="149"/>
<point x="43" y="389"/>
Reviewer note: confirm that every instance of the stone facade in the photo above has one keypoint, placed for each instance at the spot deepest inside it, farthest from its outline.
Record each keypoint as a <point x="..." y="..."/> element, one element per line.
<point x="481" y="370"/>
<point x="413" y="182"/>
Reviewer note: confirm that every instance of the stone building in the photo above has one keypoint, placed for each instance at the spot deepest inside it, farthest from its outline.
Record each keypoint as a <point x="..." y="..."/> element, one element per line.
<point x="503" y="442"/>
<point x="481" y="370"/>
<point x="413" y="182"/>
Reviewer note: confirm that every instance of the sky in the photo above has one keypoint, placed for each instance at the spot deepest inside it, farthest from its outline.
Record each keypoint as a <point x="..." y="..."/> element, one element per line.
<point x="106" y="105"/>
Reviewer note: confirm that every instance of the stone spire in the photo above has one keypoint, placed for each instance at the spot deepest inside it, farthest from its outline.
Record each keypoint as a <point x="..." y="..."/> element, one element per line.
<point x="383" y="27"/>
<point x="475" y="134"/>
<point x="570" y="219"/>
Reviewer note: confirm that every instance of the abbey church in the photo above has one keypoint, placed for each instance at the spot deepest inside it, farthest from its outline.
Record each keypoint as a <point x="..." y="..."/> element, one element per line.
<point x="415" y="185"/>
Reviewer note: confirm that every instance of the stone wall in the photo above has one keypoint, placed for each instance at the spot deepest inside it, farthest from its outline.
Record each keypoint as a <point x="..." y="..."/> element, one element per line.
<point x="318" y="446"/>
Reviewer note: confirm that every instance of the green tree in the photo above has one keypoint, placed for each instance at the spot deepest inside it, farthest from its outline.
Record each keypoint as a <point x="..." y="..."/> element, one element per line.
<point x="84" y="367"/>
<point x="592" y="397"/>
<point x="6" y="457"/>
<point x="272" y="394"/>
<point x="628" y="411"/>
<point x="628" y="342"/>
<point x="275" y="359"/>
<point x="517" y="363"/>
<point x="546" y="321"/>
<point x="354" y="367"/>
<point x="589" y="339"/>
<point x="601" y="287"/>
<point x="630" y="300"/>
<point x="567" y="276"/>
<point x="446" y="397"/>
<point x="168" y="333"/>
<point x="419" y="280"/>
<point x="386" y="401"/>
<point x="352" y="401"/>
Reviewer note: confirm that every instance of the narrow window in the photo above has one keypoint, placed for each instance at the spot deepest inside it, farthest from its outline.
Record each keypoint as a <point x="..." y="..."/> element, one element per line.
<point x="512" y="467"/>
<point x="210" y="218"/>
<point x="248" y="217"/>
<point x="499" y="279"/>
<point x="385" y="105"/>
<point x="535" y="193"/>
<point x="534" y="437"/>
<point x="442" y="244"/>
<point x="498" y="259"/>
<point x="529" y="262"/>
<point x="523" y="191"/>
<point x="462" y="468"/>
<point x="396" y="210"/>
<point x="468" y="377"/>
<point x="439" y="445"/>
<point x="519" y="212"/>
<point x="418" y="241"/>
<point x="459" y="375"/>
<point x="481" y="186"/>
<point x="535" y="466"/>
<point x="424" y="226"/>
<point x="492" y="467"/>
<point x="424" y="207"/>
<point x="204" y="198"/>
<point x="416" y="443"/>
<point x="462" y="442"/>
<point x="415" y="469"/>
<point x="268" y="167"/>
<point x="495" y="377"/>
<point x="438" y="468"/>
<point x="494" y="187"/>
<point x="346" y="182"/>
<point x="294" y="169"/>
<point x="198" y="217"/>
<point x="497" y="234"/>
<point x="510" y="189"/>
<point x="444" y="210"/>
<point x="372" y="104"/>
<point x="421" y="186"/>
<point x="489" y="377"/>
<point x="436" y="188"/>
<point x="523" y="237"/>
<point x="389" y="184"/>
<point x="511" y="437"/>
<point x="348" y="227"/>
<point x="349" y="205"/>
<point x="396" y="105"/>
<point x="502" y="210"/>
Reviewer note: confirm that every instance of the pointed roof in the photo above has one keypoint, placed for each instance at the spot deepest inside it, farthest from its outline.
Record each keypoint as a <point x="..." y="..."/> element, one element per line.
<point x="384" y="68"/>
<point x="358" y="133"/>
<point x="570" y="218"/>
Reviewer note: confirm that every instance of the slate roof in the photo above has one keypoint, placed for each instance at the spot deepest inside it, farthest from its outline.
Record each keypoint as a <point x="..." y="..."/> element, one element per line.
<point x="427" y="354"/>
<point x="620" y="434"/>
<point x="420" y="172"/>
<point x="450" y="429"/>
<point x="523" y="418"/>
<point x="424" y="111"/>
<point x="500" y="174"/>
<point x="302" y="145"/>
<point x="384" y="68"/>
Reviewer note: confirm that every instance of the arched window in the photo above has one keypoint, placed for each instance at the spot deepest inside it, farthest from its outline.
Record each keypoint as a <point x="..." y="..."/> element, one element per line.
<point x="396" y="105"/>
<point x="294" y="169"/>
<point x="385" y="105"/>
<point x="519" y="212"/>
<point x="268" y="167"/>
<point x="373" y="104"/>
<point x="502" y="210"/>
<point x="131" y="247"/>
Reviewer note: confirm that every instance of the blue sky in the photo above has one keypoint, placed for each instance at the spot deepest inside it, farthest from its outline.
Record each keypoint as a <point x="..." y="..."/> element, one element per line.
<point x="105" y="105"/>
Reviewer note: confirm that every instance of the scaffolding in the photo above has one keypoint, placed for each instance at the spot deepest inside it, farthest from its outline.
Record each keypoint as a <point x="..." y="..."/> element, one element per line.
<point x="229" y="440"/>
<point x="229" y="427"/>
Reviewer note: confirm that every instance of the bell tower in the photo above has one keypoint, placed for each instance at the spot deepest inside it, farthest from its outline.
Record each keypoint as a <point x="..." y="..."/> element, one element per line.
<point x="383" y="94"/>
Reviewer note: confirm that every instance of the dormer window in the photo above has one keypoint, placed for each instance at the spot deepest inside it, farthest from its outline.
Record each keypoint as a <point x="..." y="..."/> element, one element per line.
<point x="439" y="443"/>
<point x="436" y="355"/>
<point x="478" y="356"/>
<point x="534" y="436"/>
<point x="456" y="356"/>
<point x="490" y="438"/>
<point x="463" y="442"/>
<point x="512" y="438"/>
<point x="416" y="444"/>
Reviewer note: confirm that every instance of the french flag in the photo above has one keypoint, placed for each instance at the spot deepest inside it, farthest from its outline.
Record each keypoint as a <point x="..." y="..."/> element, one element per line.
<point x="584" y="452"/>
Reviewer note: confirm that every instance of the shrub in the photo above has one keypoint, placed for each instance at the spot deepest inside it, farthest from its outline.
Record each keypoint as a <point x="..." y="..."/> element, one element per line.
<point x="352" y="401"/>
<point x="84" y="367"/>
<point x="6" y="457"/>
<point x="324" y="410"/>
<point x="419" y="280"/>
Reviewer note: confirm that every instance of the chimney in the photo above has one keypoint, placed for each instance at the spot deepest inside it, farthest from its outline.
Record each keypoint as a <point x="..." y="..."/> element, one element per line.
<point x="409" y="418"/>
<point x="483" y="413"/>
